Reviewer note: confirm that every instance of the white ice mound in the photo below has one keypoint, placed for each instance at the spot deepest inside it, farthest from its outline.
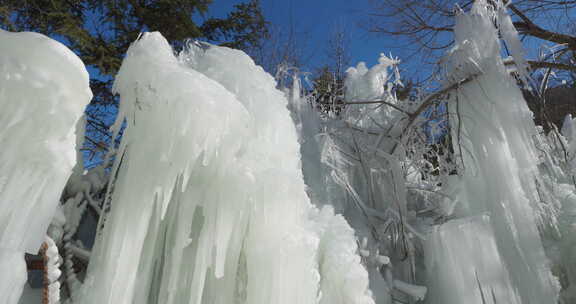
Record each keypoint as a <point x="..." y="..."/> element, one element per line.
<point x="364" y="84"/>
<point x="209" y="204"/>
<point x="43" y="92"/>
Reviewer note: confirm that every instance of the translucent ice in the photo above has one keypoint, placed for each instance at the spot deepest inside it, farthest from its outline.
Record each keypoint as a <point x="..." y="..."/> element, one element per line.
<point x="209" y="204"/>
<point x="43" y="92"/>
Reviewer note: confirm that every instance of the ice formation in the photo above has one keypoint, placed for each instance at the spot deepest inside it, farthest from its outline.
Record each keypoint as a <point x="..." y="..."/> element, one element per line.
<point x="494" y="139"/>
<point x="43" y="92"/>
<point x="363" y="83"/>
<point x="213" y="187"/>
<point x="359" y="150"/>
<point x="311" y="129"/>
<point x="52" y="269"/>
<point x="209" y="203"/>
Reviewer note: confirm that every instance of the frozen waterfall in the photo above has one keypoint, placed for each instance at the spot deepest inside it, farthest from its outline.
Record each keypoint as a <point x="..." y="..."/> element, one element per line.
<point x="209" y="203"/>
<point x="494" y="252"/>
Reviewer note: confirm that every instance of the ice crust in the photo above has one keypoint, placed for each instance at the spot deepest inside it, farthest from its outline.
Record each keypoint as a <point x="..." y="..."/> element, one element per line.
<point x="43" y="92"/>
<point x="209" y="203"/>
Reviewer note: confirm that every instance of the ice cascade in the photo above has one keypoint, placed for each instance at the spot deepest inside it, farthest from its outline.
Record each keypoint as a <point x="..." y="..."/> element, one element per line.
<point x="209" y="204"/>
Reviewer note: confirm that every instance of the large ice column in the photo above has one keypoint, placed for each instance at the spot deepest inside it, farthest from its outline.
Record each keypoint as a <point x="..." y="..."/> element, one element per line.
<point x="44" y="89"/>
<point x="175" y="120"/>
<point x="492" y="132"/>
<point x="209" y="205"/>
<point x="273" y="157"/>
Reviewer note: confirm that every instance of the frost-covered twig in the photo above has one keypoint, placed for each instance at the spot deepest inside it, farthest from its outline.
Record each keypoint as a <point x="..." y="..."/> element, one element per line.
<point x="416" y="291"/>
<point x="427" y="102"/>
<point x="51" y="291"/>
<point x="384" y="102"/>
<point x="93" y="204"/>
<point x="78" y="252"/>
<point x="69" y="252"/>
<point x="373" y="259"/>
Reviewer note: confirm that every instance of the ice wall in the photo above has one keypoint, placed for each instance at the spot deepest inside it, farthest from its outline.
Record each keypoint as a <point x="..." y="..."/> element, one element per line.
<point x="209" y="204"/>
<point x="43" y="92"/>
<point x="492" y="132"/>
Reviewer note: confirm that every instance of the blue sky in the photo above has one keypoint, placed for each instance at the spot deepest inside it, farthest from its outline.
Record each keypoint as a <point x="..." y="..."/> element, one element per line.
<point x="314" y="20"/>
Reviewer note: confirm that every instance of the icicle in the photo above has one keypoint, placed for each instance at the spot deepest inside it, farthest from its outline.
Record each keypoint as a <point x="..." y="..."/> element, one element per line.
<point x="510" y="37"/>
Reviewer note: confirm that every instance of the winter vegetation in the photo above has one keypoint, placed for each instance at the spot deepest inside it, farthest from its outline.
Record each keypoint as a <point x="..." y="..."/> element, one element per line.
<point x="201" y="163"/>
